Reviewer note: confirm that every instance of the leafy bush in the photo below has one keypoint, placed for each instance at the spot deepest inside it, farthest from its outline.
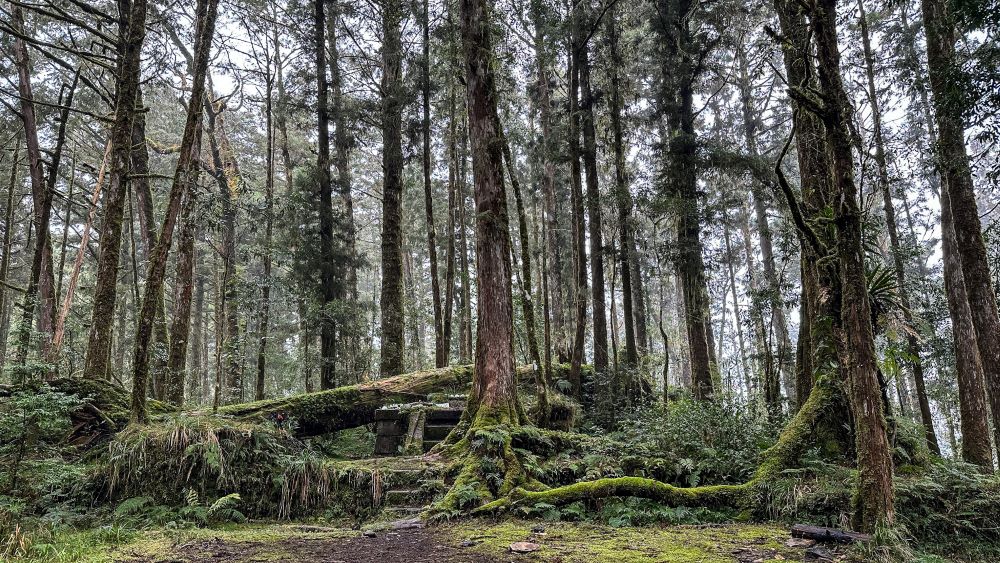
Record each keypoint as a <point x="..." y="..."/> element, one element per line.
<point x="699" y="442"/>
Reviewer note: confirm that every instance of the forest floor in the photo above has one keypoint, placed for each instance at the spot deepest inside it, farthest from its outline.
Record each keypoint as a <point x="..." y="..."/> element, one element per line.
<point x="468" y="541"/>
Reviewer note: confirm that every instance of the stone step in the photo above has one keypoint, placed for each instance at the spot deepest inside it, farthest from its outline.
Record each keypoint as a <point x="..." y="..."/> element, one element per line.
<point x="437" y="432"/>
<point x="452" y="415"/>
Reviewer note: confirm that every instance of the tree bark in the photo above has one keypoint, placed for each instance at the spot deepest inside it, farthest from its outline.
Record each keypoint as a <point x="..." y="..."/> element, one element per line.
<point x="676" y="102"/>
<point x="953" y="163"/>
<point x="184" y="184"/>
<point x="600" y="317"/>
<point x="391" y="299"/>
<point x="856" y="344"/>
<point x="882" y="166"/>
<point x="493" y="398"/>
<point x="40" y="284"/>
<point x="577" y="203"/>
<point x="623" y="196"/>
<point x="133" y="33"/>
<point x="328" y="282"/>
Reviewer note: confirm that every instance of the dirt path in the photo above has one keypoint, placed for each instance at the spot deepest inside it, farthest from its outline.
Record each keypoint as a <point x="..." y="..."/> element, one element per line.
<point x="403" y="546"/>
<point x="470" y="541"/>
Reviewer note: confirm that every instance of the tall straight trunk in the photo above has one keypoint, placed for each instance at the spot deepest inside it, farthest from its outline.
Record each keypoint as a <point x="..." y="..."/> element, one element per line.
<point x="972" y="387"/>
<point x="184" y="184"/>
<point x="576" y="204"/>
<point x="820" y="296"/>
<point x="555" y="238"/>
<point x="180" y="325"/>
<point x="882" y="166"/>
<point x="391" y="299"/>
<point x="425" y="126"/>
<point x="8" y="222"/>
<point x="265" y="291"/>
<point x="953" y="163"/>
<point x="856" y="341"/>
<point x="623" y="196"/>
<point x="465" y="347"/>
<point x="449" y="284"/>
<point x="227" y="177"/>
<point x="328" y="281"/>
<point x="351" y="337"/>
<point x="527" y="304"/>
<point x="493" y="398"/>
<point x="677" y="100"/>
<point x="133" y="28"/>
<point x="147" y="230"/>
<point x="600" y="316"/>
<point x="40" y="284"/>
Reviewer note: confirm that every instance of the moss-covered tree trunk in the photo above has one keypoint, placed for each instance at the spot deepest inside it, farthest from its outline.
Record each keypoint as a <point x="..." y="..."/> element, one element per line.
<point x="856" y="344"/>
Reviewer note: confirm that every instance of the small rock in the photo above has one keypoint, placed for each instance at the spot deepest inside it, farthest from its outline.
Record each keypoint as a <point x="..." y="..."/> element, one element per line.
<point x="369" y="534"/>
<point x="800" y="543"/>
<point x="524" y="547"/>
<point x="469" y="543"/>
<point x="538" y="530"/>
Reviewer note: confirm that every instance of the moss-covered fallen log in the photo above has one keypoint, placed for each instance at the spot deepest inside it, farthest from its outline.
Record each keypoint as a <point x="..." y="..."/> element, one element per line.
<point x="714" y="496"/>
<point x="354" y="405"/>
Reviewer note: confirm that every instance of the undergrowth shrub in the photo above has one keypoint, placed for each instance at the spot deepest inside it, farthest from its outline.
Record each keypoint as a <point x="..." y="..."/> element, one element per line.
<point x="698" y="442"/>
<point x="216" y="457"/>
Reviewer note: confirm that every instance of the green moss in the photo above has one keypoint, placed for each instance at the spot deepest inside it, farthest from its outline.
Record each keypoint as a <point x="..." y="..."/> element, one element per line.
<point x="574" y="542"/>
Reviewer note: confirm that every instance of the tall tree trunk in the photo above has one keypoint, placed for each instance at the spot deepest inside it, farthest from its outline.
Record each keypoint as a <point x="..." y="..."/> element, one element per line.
<point x="856" y="341"/>
<point x="527" y="304"/>
<point x="147" y="230"/>
<point x="971" y="383"/>
<point x="465" y="348"/>
<point x="391" y="299"/>
<point x="600" y="316"/>
<point x="351" y="340"/>
<point x="425" y="91"/>
<point x="677" y="99"/>
<point x="67" y="221"/>
<point x="493" y="398"/>
<point x="180" y="326"/>
<point x="555" y="238"/>
<point x="882" y="166"/>
<point x="184" y="183"/>
<point x="328" y="281"/>
<point x="576" y="203"/>
<point x="8" y="223"/>
<point x="265" y="291"/>
<point x="40" y="284"/>
<point x="953" y="162"/>
<point x="623" y="196"/>
<point x="449" y="284"/>
<point x="133" y="33"/>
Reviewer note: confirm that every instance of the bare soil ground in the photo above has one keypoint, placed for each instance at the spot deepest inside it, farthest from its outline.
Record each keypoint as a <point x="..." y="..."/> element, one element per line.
<point x="403" y="546"/>
<point x="475" y="541"/>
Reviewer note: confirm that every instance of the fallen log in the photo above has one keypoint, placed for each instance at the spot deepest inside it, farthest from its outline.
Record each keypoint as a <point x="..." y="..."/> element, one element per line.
<point x="823" y="534"/>
<point x="351" y="406"/>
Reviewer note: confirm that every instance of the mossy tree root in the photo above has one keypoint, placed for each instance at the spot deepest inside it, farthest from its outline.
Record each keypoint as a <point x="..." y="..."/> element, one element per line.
<point x="814" y="424"/>
<point x="716" y="496"/>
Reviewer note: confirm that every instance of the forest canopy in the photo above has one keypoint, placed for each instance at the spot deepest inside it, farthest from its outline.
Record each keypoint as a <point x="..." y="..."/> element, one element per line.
<point x="720" y="251"/>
